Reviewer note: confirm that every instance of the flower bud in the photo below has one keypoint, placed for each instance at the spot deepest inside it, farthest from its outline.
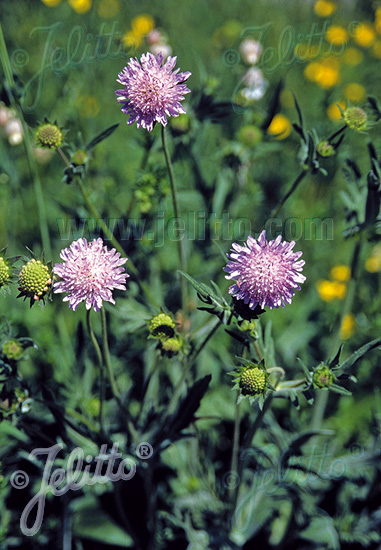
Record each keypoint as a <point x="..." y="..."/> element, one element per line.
<point x="323" y="377"/>
<point x="49" y="135"/>
<point x="4" y="272"/>
<point x="35" y="280"/>
<point x="355" y="118"/>
<point x="162" y="326"/>
<point x="171" y="346"/>
<point x="253" y="381"/>
<point x="325" y="149"/>
<point x="12" y="350"/>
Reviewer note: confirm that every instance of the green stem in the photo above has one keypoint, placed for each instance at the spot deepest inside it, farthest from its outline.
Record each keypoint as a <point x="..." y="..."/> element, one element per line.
<point x="101" y="370"/>
<point x="45" y="237"/>
<point x="192" y="359"/>
<point x="293" y="188"/>
<point x="322" y="397"/>
<point x="108" y="233"/>
<point x="247" y="443"/>
<point x="180" y="242"/>
<point x="234" y="462"/>
<point x="113" y="384"/>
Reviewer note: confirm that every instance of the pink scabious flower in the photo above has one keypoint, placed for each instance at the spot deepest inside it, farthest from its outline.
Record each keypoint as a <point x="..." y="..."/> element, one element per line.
<point x="267" y="273"/>
<point x="151" y="91"/>
<point x="90" y="272"/>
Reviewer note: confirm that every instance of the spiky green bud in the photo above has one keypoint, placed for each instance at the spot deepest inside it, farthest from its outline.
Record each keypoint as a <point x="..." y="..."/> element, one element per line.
<point x="355" y="118"/>
<point x="49" y="136"/>
<point x="253" y="381"/>
<point x="35" y="280"/>
<point x="12" y="350"/>
<point x="162" y="326"/>
<point x="4" y="272"/>
<point x="323" y="377"/>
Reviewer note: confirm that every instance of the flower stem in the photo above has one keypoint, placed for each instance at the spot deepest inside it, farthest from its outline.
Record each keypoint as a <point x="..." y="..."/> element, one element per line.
<point x="101" y="369"/>
<point x="234" y="462"/>
<point x="293" y="188"/>
<point x="107" y="232"/>
<point x="180" y="242"/>
<point x="44" y="231"/>
<point x="192" y="359"/>
<point x="113" y="384"/>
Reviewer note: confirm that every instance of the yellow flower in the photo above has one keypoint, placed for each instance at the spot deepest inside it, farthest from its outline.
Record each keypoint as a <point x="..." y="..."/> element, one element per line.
<point x="373" y="263"/>
<point x="352" y="56"/>
<point x="280" y="127"/>
<point x="324" y="73"/>
<point x="131" y="40"/>
<point x="331" y="290"/>
<point x="51" y="3"/>
<point x="348" y="326"/>
<point x="340" y="273"/>
<point x="108" y="8"/>
<point x="324" y="8"/>
<point x="364" y="35"/>
<point x="87" y="106"/>
<point x="354" y="92"/>
<point x="80" y="6"/>
<point x="333" y="110"/>
<point x="336" y="35"/>
<point x="376" y="49"/>
<point x="142" y="24"/>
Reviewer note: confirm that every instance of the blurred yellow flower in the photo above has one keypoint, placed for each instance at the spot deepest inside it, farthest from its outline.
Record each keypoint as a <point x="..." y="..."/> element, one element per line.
<point x="280" y="127"/>
<point x="87" y="105"/>
<point x="333" y="110"/>
<point x="108" y="8"/>
<point x="324" y="8"/>
<point x="348" y="326"/>
<point x="336" y="35"/>
<point x="80" y="6"/>
<point x="331" y="290"/>
<point x="325" y="73"/>
<point x="51" y="3"/>
<point x="132" y="40"/>
<point x="352" y="56"/>
<point x="364" y="35"/>
<point x="142" y="24"/>
<point x="354" y="92"/>
<point x="376" y="49"/>
<point x="340" y="273"/>
<point x="373" y="263"/>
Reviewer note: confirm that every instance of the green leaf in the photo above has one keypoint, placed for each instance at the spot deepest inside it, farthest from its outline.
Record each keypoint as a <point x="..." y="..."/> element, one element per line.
<point x="307" y="373"/>
<point x="348" y="363"/>
<point x="335" y="361"/>
<point x="91" y="522"/>
<point x="101" y="136"/>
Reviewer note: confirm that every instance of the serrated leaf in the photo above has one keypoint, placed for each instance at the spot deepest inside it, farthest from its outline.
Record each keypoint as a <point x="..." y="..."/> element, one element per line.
<point x="101" y="136"/>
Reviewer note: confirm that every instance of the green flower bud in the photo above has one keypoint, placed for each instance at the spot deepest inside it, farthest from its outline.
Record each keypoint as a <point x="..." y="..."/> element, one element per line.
<point x="79" y="158"/>
<point x="35" y="280"/>
<point x="12" y="350"/>
<point x="323" y="377"/>
<point x="49" y="136"/>
<point x="4" y="272"/>
<point x="355" y="118"/>
<point x="253" y="381"/>
<point x="162" y="326"/>
<point x="325" y="149"/>
<point x="171" y="346"/>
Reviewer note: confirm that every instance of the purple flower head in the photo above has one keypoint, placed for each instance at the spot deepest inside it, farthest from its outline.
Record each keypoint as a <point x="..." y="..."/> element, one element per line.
<point x="267" y="273"/>
<point x="90" y="272"/>
<point x="151" y="91"/>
